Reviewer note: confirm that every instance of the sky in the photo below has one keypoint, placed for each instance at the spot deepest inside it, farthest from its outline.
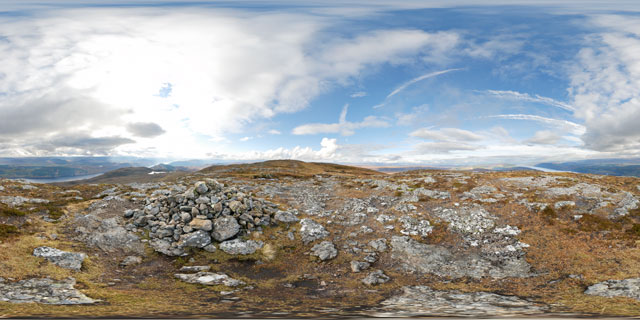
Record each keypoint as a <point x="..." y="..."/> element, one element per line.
<point x="359" y="82"/>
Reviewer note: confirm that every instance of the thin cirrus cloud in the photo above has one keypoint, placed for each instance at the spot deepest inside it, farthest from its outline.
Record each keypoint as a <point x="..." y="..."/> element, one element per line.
<point x="566" y="125"/>
<point x="410" y="82"/>
<point x="343" y="127"/>
<point x="529" y="98"/>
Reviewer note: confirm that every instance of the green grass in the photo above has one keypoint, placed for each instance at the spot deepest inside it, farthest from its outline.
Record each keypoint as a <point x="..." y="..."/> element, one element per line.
<point x="11" y="212"/>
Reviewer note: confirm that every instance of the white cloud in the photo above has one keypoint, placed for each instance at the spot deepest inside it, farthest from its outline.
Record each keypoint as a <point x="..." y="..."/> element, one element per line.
<point x="417" y="79"/>
<point x="544" y="137"/>
<point x="358" y="94"/>
<point x="343" y="126"/>
<point x="98" y="69"/>
<point x="526" y="97"/>
<point x="605" y="84"/>
<point x="561" y="124"/>
<point x="446" y="134"/>
<point x="274" y="132"/>
<point x="243" y="139"/>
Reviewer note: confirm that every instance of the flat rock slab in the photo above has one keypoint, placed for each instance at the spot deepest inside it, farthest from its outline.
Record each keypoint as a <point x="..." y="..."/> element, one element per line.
<point x="424" y="301"/>
<point x="209" y="279"/>
<point x="616" y="288"/>
<point x="45" y="291"/>
<point x="64" y="259"/>
<point x="239" y="246"/>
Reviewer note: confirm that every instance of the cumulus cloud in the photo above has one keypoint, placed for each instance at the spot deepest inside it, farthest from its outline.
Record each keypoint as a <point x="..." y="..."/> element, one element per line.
<point x="274" y="132"/>
<point x="605" y="84"/>
<point x="343" y="126"/>
<point x="145" y="129"/>
<point x="191" y="72"/>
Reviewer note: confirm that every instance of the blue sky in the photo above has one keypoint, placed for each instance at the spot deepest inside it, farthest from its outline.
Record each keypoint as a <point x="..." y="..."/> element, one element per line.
<point x="363" y="82"/>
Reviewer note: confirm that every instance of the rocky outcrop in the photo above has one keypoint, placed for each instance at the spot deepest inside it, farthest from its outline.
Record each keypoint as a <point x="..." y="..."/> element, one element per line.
<point x="424" y="301"/>
<point x="64" y="259"/>
<point x="204" y="213"/>
<point x="45" y="291"/>
<point x="375" y="278"/>
<point x="239" y="246"/>
<point x="616" y="288"/>
<point x="106" y="233"/>
<point x="414" y="256"/>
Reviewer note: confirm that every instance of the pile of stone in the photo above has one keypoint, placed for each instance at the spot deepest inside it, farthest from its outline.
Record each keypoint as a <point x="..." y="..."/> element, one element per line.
<point x="204" y="213"/>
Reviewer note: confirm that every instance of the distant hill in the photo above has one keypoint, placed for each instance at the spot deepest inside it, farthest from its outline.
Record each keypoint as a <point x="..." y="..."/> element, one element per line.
<point x="62" y="167"/>
<point x="287" y="168"/>
<point x="125" y="175"/>
<point x="612" y="167"/>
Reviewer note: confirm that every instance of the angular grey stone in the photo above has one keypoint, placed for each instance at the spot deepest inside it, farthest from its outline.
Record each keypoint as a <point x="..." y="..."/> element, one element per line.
<point x="286" y="216"/>
<point x="201" y="224"/>
<point x="376" y="277"/>
<point x="201" y="187"/>
<point x="198" y="239"/>
<point x="311" y="231"/>
<point x="616" y="288"/>
<point x="67" y="260"/>
<point x="209" y="279"/>
<point x="324" y="250"/>
<point x="239" y="246"/>
<point x="357" y="266"/>
<point x="225" y="228"/>
<point x="379" y="245"/>
<point x="424" y="301"/>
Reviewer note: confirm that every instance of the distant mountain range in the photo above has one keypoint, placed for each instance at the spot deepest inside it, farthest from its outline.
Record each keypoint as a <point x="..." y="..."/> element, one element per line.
<point x="612" y="167"/>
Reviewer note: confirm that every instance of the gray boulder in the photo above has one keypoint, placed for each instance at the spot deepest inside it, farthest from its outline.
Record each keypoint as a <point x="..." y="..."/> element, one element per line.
<point x="64" y="259"/>
<point x="379" y="245"/>
<point x="324" y="250"/>
<point x="311" y="231"/>
<point x="198" y="239"/>
<point x="616" y="288"/>
<point x="286" y="216"/>
<point x="239" y="246"/>
<point x="201" y="187"/>
<point x="225" y="228"/>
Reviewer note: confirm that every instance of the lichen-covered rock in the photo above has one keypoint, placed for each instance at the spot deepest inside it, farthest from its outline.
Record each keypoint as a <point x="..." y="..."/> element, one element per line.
<point x="324" y="250"/>
<point x="198" y="239"/>
<point x="379" y="245"/>
<point x="45" y="291"/>
<point x="64" y="259"/>
<point x="616" y="288"/>
<point x="209" y="279"/>
<point x="225" y="228"/>
<point x="286" y="216"/>
<point x="424" y="301"/>
<point x="239" y="246"/>
<point x="311" y="231"/>
<point x="201" y="224"/>
<point x="376" y="277"/>
<point x="357" y="266"/>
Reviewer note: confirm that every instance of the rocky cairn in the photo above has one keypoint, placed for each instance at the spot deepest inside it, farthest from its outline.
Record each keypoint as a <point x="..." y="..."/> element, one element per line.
<point x="206" y="213"/>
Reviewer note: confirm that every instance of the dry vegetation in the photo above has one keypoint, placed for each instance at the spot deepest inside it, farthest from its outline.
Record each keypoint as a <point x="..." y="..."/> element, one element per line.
<point x="567" y="255"/>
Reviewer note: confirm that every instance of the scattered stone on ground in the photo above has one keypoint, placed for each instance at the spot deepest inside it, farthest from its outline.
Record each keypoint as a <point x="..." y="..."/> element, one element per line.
<point x="424" y="301"/>
<point x="130" y="261"/>
<point x="64" y="259"/>
<point x="616" y="288"/>
<point x="324" y="250"/>
<point x="239" y="246"/>
<point x="357" y="266"/>
<point x="44" y="290"/>
<point x="311" y="231"/>
<point x="209" y="279"/>
<point x="375" y="278"/>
